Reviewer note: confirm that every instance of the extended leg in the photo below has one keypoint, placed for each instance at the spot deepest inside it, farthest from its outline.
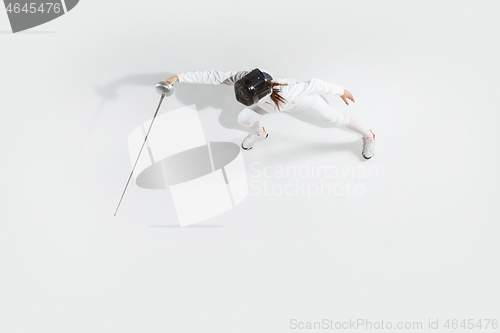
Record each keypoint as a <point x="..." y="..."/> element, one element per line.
<point x="320" y="109"/>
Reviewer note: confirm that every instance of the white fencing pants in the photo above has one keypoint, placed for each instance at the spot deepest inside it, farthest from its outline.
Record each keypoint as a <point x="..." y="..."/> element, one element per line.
<point x="318" y="108"/>
<point x="249" y="117"/>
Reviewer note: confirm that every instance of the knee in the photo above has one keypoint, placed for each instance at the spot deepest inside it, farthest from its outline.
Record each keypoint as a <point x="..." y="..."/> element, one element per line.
<point x="245" y="119"/>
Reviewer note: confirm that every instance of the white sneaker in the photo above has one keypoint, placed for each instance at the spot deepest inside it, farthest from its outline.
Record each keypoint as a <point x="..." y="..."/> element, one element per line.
<point x="252" y="138"/>
<point x="369" y="146"/>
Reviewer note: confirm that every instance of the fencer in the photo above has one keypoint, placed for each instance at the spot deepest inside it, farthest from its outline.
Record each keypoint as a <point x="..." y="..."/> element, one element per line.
<point x="264" y="92"/>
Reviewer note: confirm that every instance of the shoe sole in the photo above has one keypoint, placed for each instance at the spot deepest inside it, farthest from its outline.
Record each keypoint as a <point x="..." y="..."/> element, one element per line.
<point x="267" y="134"/>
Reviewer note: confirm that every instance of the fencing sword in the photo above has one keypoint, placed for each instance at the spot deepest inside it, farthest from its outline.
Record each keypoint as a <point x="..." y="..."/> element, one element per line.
<point x="164" y="89"/>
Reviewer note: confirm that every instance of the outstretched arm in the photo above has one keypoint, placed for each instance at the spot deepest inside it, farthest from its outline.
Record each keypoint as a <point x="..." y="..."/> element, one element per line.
<point x="207" y="77"/>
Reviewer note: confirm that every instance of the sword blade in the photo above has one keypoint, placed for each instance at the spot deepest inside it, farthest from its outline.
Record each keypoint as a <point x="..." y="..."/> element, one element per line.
<point x="131" y="173"/>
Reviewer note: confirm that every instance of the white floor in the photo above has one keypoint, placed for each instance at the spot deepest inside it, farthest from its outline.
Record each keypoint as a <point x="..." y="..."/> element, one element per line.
<point x="418" y="241"/>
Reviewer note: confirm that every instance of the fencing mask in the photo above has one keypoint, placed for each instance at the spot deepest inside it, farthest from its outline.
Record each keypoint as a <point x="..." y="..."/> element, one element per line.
<point x="252" y="87"/>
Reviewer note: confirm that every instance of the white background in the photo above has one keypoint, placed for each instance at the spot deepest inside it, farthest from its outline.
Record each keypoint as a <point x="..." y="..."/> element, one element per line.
<point x="421" y="243"/>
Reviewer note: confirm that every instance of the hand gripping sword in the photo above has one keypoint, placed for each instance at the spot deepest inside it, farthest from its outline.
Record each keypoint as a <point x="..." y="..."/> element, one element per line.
<point x="164" y="89"/>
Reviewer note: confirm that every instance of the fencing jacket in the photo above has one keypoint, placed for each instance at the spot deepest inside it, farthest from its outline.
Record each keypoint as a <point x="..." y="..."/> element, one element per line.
<point x="292" y="91"/>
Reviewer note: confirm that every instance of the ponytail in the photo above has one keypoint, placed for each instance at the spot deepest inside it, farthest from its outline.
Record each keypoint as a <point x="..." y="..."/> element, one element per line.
<point x="276" y="97"/>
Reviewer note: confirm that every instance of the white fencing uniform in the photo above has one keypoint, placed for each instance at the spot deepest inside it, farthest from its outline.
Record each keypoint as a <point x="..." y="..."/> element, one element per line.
<point x="298" y="95"/>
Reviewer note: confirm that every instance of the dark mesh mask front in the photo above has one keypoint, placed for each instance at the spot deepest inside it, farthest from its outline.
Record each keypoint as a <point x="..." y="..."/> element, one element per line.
<point x="243" y="94"/>
<point x="252" y="87"/>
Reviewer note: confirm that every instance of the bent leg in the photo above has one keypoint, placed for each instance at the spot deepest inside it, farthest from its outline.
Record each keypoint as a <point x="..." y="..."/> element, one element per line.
<point x="250" y="116"/>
